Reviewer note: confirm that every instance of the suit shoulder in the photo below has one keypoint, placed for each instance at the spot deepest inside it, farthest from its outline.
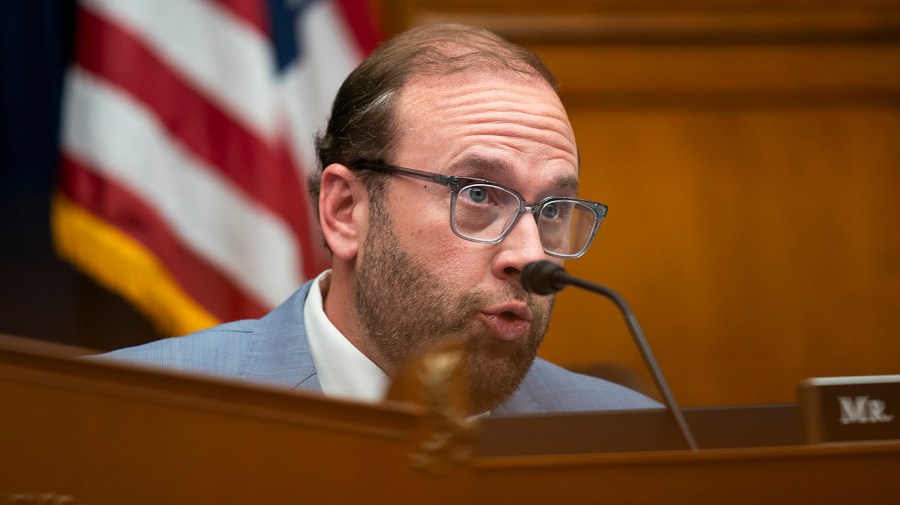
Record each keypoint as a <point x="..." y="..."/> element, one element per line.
<point x="215" y="350"/>
<point x="551" y="388"/>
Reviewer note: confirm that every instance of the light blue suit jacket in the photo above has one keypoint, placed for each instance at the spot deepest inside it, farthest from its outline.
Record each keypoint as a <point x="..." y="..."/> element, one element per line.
<point x="274" y="350"/>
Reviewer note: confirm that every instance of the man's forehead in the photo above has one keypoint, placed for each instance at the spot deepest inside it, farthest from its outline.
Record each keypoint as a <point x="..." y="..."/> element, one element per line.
<point x="422" y="90"/>
<point x="423" y="98"/>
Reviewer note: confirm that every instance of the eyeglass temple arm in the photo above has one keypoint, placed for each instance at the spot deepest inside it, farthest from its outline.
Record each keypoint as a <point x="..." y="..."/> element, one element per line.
<point x="446" y="180"/>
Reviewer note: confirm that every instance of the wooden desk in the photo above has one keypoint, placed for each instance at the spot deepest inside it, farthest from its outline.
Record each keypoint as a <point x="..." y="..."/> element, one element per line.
<point x="73" y="432"/>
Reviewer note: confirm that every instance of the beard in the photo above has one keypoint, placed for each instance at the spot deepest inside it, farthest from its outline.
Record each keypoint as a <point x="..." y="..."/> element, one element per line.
<point x="406" y="309"/>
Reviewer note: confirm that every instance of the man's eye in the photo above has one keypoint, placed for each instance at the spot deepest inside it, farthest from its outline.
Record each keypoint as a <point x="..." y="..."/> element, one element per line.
<point x="476" y="194"/>
<point x="550" y="211"/>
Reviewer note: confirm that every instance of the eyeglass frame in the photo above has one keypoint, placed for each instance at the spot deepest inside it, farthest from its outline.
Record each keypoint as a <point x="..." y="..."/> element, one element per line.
<point x="456" y="183"/>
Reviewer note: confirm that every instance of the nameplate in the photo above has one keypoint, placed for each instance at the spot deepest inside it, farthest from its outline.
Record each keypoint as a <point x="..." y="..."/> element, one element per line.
<point x="843" y="409"/>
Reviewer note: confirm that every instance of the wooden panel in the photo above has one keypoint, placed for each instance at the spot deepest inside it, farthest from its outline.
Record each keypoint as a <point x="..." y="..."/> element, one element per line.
<point x="655" y="21"/>
<point x="96" y="433"/>
<point x="820" y="474"/>
<point x="748" y="151"/>
<point x="76" y="431"/>
<point x="758" y="247"/>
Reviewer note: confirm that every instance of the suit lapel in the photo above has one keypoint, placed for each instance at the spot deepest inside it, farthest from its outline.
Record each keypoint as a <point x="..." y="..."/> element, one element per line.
<point x="278" y="352"/>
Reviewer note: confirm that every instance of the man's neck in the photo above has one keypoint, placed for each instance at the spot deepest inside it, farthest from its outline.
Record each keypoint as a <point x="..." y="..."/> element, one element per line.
<point x="337" y="300"/>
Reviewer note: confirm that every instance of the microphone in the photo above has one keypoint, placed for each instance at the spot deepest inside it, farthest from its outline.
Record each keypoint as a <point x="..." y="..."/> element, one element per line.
<point x="544" y="278"/>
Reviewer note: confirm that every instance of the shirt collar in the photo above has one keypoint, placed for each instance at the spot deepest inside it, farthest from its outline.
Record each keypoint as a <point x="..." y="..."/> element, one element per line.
<point x="344" y="371"/>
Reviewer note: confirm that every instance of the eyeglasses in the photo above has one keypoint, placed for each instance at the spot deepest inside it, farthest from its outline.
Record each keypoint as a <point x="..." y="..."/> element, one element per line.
<point x="485" y="212"/>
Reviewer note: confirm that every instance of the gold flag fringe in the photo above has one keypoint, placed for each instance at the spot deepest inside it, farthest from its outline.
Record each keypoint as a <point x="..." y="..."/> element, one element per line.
<point x="124" y="266"/>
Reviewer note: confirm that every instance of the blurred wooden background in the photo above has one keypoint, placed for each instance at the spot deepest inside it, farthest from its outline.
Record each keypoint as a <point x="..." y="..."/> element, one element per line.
<point x="749" y="151"/>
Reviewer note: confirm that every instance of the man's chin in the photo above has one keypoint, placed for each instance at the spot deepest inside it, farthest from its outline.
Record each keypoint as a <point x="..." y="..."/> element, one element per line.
<point x="495" y="371"/>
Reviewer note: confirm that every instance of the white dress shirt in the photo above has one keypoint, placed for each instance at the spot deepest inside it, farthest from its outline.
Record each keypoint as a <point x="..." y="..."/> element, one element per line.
<point x="344" y="372"/>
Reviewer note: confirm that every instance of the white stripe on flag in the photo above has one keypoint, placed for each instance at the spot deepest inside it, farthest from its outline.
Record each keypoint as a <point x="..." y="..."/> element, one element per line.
<point x="123" y="141"/>
<point x="311" y="82"/>
<point x="212" y="49"/>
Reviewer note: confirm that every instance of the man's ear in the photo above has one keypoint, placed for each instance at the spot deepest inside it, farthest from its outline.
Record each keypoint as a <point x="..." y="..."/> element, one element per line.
<point x="343" y="211"/>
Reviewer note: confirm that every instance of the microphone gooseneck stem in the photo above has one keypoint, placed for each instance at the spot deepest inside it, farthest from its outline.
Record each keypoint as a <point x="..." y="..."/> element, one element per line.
<point x="641" y="342"/>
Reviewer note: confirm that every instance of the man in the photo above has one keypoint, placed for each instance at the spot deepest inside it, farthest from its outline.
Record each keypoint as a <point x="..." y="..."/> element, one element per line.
<point x="448" y="164"/>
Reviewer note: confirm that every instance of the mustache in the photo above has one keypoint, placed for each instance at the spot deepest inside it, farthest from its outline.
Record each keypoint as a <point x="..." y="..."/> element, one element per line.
<point x="472" y="302"/>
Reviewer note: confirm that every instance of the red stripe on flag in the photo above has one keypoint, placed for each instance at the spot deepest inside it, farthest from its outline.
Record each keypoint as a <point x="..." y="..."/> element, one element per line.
<point x="363" y="22"/>
<point x="264" y="172"/>
<point x="121" y="208"/>
<point x="253" y="12"/>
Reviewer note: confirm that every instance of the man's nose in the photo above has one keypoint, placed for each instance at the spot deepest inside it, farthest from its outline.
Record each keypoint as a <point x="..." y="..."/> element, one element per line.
<point x="520" y="247"/>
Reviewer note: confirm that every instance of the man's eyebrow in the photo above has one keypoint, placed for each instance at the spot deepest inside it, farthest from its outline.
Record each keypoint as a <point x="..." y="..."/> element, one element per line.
<point x="497" y="170"/>
<point x="479" y="166"/>
<point x="567" y="183"/>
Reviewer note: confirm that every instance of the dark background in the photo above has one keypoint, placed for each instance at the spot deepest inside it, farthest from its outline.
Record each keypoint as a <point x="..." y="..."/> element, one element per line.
<point x="40" y="295"/>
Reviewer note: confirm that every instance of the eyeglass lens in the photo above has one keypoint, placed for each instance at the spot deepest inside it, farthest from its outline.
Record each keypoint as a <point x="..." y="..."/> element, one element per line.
<point x="484" y="212"/>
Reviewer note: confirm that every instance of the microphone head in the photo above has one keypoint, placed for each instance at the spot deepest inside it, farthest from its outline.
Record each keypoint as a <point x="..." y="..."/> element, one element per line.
<point x="543" y="278"/>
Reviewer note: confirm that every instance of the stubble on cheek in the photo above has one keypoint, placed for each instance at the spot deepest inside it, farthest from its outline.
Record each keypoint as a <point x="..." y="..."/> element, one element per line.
<point x="407" y="309"/>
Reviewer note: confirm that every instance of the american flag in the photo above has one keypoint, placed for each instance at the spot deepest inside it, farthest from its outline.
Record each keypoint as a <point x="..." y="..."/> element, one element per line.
<point x="187" y="132"/>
